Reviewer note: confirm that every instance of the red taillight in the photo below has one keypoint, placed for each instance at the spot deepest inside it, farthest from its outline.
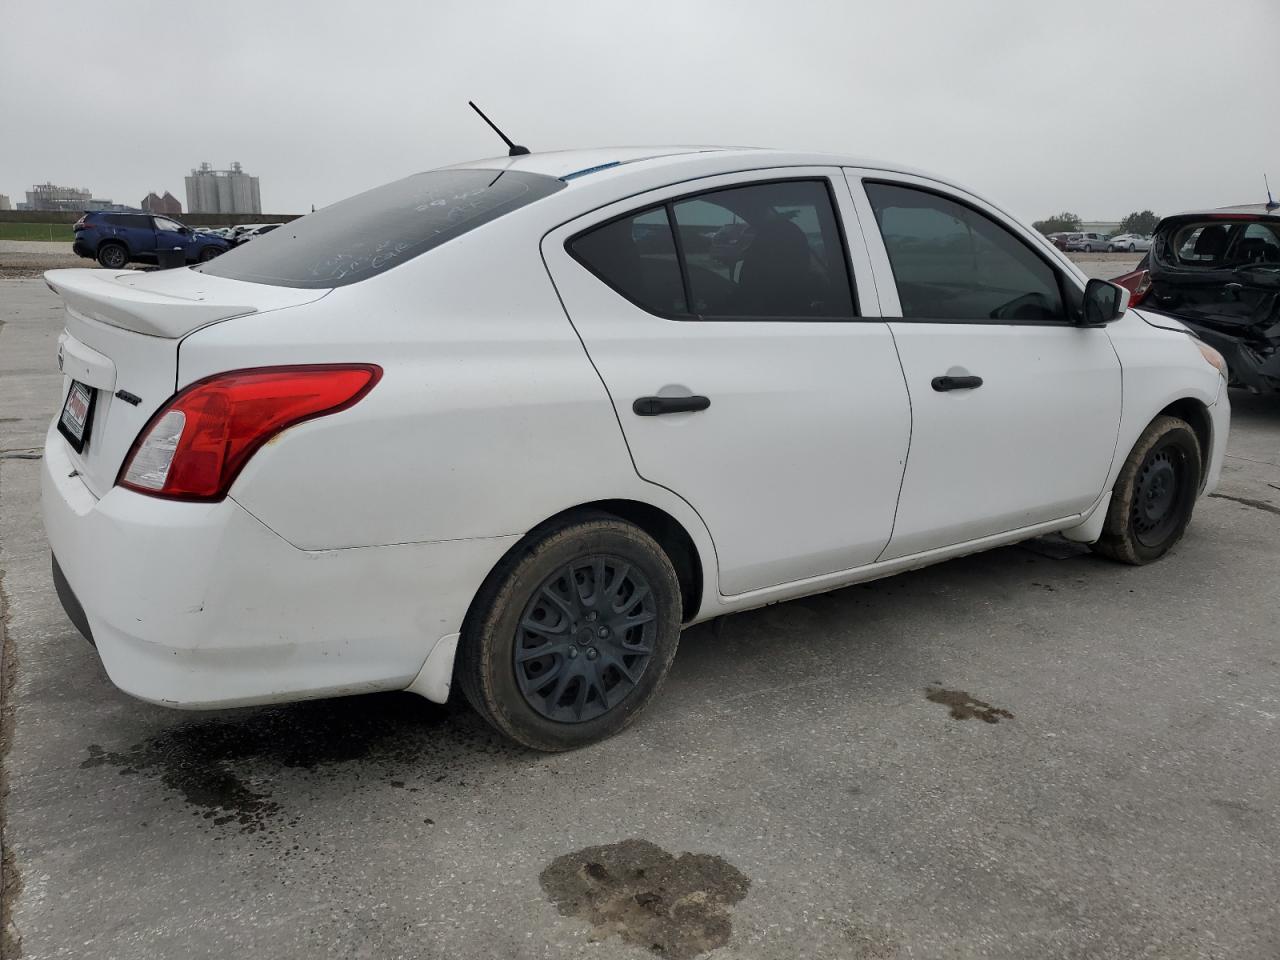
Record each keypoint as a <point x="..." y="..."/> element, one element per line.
<point x="196" y="445"/>
<point x="1141" y="288"/>
<point x="82" y="224"/>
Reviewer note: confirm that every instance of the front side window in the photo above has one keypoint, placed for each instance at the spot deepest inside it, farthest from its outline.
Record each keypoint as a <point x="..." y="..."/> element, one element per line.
<point x="952" y="263"/>
<point x="163" y="224"/>
<point x="765" y="251"/>
<point x="1260" y="244"/>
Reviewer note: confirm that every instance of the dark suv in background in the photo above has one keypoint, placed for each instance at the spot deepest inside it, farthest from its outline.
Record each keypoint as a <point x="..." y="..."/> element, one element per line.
<point x="116" y="239"/>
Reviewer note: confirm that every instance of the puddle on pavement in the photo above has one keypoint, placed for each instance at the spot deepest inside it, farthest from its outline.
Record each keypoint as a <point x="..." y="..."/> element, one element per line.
<point x="965" y="706"/>
<point x="676" y="907"/>
<point x="225" y="768"/>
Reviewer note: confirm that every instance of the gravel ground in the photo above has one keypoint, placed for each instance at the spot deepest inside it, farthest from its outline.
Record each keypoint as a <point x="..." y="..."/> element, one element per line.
<point x="1028" y="753"/>
<point x="30" y="258"/>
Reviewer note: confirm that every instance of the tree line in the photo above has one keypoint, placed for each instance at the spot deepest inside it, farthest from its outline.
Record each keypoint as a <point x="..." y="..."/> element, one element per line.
<point x="1142" y="223"/>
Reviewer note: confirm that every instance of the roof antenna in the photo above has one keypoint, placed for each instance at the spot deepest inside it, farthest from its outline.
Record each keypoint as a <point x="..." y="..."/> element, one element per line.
<point x="1271" y="204"/>
<point x="514" y="149"/>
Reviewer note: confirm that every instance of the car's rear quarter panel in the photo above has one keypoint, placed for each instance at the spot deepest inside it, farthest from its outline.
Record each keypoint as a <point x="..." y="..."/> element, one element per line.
<point x="489" y="417"/>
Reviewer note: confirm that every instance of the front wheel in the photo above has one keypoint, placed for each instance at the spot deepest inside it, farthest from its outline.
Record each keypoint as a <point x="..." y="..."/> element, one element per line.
<point x="1133" y="248"/>
<point x="1154" y="494"/>
<point x="208" y="253"/>
<point x="572" y="635"/>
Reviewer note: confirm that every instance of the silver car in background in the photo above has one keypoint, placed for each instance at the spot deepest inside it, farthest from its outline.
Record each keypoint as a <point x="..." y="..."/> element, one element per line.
<point x="1132" y="242"/>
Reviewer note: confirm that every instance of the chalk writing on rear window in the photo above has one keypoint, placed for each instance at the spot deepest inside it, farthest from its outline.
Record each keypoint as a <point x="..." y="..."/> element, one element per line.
<point x="381" y="228"/>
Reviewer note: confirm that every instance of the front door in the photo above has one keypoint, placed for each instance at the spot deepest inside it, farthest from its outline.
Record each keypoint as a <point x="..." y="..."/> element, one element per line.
<point x="1015" y="408"/>
<point x="171" y="235"/>
<point x="750" y="373"/>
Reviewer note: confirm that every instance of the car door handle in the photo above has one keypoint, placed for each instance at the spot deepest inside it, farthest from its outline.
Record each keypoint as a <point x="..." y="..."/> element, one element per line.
<point x="656" y="406"/>
<point x="956" y="383"/>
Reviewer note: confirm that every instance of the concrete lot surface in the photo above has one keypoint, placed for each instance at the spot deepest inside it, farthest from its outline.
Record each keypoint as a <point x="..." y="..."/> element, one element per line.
<point x="1030" y="753"/>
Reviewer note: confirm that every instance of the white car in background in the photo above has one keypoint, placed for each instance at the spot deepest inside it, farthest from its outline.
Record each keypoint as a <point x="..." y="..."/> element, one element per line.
<point x="1132" y="242"/>
<point x="252" y="231"/>
<point x="512" y="421"/>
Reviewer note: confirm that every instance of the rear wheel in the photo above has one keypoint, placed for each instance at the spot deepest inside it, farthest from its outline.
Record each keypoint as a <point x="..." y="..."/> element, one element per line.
<point x="1133" y="248"/>
<point x="113" y="256"/>
<point x="572" y="635"/>
<point x="1154" y="494"/>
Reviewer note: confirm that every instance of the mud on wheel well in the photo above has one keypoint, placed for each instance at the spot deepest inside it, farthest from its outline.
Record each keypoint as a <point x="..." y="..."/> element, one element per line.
<point x="671" y="536"/>
<point x="664" y="528"/>
<point x="1196" y="414"/>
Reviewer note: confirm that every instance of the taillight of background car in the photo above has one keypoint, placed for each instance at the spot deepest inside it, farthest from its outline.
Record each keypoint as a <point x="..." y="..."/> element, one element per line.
<point x="1137" y="282"/>
<point x="196" y="445"/>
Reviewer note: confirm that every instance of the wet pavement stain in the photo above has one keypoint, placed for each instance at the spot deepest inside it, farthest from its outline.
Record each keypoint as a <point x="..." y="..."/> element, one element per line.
<point x="393" y="737"/>
<point x="1249" y="502"/>
<point x="676" y="907"/>
<point x="965" y="706"/>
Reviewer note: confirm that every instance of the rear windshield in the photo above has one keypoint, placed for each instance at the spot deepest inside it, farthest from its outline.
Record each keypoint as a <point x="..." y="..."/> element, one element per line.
<point x="1216" y="244"/>
<point x="379" y="229"/>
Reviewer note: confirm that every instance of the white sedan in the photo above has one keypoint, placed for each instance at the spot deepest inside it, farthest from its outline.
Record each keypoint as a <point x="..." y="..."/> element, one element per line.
<point x="521" y="420"/>
<point x="1132" y="242"/>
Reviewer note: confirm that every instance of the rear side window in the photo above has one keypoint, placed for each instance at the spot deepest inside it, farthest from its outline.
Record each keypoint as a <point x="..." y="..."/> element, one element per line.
<point x="952" y="263"/>
<point x="131" y="220"/>
<point x="636" y="255"/>
<point x="381" y="228"/>
<point x="765" y="251"/>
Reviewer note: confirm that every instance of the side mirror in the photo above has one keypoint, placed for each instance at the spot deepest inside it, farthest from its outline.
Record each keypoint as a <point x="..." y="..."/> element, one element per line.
<point x="1104" y="302"/>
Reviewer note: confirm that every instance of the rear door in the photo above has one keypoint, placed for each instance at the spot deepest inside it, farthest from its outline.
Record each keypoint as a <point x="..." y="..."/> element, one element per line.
<point x="1015" y="410"/>
<point x="748" y="375"/>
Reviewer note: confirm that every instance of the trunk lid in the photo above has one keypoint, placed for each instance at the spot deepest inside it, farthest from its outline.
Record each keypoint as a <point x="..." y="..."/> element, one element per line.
<point x="123" y="331"/>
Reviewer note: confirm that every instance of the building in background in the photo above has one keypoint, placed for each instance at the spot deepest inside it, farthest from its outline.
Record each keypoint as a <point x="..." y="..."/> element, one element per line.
<point x="1104" y="227"/>
<point x="168" y="204"/>
<point x="222" y="191"/>
<point x="4" y="202"/>
<point x="47" y="196"/>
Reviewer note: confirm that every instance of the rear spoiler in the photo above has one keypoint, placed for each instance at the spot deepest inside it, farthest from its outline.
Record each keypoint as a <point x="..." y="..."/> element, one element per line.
<point x="111" y="298"/>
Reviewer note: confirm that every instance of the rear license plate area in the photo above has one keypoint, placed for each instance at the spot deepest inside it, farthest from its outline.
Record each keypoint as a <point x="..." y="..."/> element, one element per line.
<point x="76" y="418"/>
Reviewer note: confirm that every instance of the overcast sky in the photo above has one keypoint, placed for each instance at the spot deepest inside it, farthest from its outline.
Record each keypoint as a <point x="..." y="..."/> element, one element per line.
<point x="1095" y="107"/>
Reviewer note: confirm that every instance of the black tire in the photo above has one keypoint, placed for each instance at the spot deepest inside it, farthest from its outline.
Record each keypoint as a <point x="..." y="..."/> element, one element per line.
<point x="1133" y="248"/>
<point x="208" y="253"/>
<point x="113" y="256"/>
<point x="528" y="700"/>
<point x="1154" y="495"/>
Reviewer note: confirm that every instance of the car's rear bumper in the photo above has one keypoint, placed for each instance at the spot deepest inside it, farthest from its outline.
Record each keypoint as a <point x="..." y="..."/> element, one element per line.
<point x="1248" y="368"/>
<point x="201" y="605"/>
<point x="81" y="249"/>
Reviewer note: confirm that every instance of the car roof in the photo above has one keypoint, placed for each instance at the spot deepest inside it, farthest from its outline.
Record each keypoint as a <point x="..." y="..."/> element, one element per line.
<point x="1239" y="210"/>
<point x="605" y="162"/>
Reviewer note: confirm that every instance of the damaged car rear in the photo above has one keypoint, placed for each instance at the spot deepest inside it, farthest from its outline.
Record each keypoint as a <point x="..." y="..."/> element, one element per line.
<point x="1219" y="273"/>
